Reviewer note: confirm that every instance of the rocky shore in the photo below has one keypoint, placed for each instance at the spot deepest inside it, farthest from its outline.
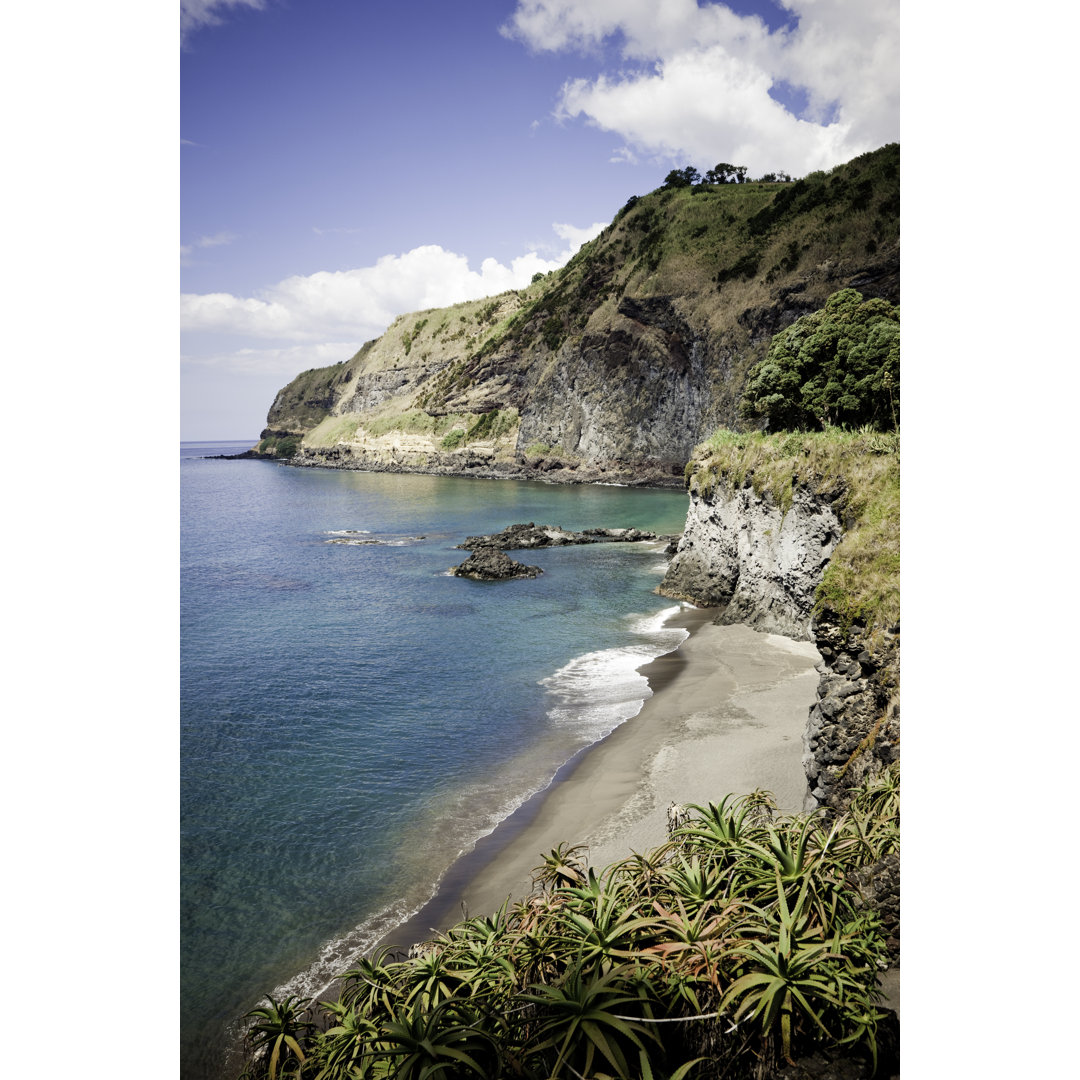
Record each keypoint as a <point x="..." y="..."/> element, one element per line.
<point x="481" y="465"/>
<point x="489" y="561"/>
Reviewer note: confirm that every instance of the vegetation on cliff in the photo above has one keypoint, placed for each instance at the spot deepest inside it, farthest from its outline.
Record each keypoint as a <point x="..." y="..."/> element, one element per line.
<point x="837" y="366"/>
<point x="738" y="946"/>
<point x="858" y="472"/>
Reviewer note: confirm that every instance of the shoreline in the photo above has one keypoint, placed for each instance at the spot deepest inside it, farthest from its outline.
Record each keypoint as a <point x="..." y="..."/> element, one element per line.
<point x="727" y="713"/>
<point x="656" y="477"/>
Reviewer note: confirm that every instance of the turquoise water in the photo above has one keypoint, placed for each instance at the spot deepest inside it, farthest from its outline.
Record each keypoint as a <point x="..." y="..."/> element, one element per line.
<point x="353" y="718"/>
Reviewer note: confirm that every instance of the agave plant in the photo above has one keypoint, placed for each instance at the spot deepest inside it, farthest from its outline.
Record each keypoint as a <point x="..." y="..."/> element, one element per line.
<point x="604" y="931"/>
<point x="563" y="866"/>
<point x="583" y="1018"/>
<point x="874" y="816"/>
<point x="277" y="1032"/>
<point x="721" y="827"/>
<point x="429" y="980"/>
<point x="373" y="985"/>
<point x="691" y="945"/>
<point x="695" y="883"/>
<point x="643" y="873"/>
<point x="417" y="1044"/>
<point x="798" y="973"/>
<point x="341" y="1048"/>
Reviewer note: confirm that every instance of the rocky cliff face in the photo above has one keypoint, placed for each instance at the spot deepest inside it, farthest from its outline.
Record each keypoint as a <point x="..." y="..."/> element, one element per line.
<point x="854" y="726"/>
<point x="743" y="554"/>
<point x="762" y="565"/>
<point x="616" y="366"/>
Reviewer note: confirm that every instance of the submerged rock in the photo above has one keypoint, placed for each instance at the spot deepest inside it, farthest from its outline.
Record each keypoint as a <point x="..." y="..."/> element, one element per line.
<point x="488" y="563"/>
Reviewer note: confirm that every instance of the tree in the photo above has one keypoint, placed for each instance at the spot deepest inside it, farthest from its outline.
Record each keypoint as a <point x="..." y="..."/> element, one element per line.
<point x="680" y="178"/>
<point x="723" y="173"/>
<point x="839" y="365"/>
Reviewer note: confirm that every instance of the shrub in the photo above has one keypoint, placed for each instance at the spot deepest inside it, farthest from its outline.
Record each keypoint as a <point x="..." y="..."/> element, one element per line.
<point x="838" y="366"/>
<point x="552" y="332"/>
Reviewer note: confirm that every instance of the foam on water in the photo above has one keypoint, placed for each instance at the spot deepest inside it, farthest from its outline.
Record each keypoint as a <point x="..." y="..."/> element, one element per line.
<point x="593" y="694"/>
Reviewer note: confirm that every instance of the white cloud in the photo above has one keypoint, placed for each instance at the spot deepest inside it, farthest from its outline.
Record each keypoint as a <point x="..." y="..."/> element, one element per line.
<point x="697" y="85"/>
<point x="217" y="240"/>
<point x="575" y="237"/>
<point x="195" y="14"/>
<point x="356" y="305"/>
<point x="283" y="360"/>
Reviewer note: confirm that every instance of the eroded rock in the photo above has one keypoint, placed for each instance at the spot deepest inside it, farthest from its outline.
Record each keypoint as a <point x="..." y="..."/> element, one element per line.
<point x="488" y="563"/>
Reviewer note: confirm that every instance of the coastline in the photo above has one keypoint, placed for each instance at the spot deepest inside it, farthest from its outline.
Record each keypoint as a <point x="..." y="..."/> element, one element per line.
<point x="727" y="714"/>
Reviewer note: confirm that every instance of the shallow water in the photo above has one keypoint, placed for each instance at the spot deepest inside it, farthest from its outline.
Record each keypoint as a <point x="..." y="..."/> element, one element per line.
<point x="353" y="718"/>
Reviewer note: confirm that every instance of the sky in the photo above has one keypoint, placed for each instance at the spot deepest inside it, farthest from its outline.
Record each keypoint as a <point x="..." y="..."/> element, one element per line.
<point x="346" y="161"/>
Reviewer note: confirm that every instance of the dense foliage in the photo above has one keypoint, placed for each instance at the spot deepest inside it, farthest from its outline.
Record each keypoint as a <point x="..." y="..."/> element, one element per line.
<point x="733" y="948"/>
<point x="839" y="365"/>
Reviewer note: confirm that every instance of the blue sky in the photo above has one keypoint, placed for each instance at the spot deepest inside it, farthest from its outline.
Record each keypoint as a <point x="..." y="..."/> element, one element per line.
<point x="344" y="161"/>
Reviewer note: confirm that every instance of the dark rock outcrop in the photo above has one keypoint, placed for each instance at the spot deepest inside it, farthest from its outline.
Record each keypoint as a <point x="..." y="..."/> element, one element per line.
<point x="488" y="563"/>
<point x="854" y="726"/>
<point x="523" y="536"/>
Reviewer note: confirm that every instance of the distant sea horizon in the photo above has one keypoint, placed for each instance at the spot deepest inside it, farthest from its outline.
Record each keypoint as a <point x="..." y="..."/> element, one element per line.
<point x="353" y="718"/>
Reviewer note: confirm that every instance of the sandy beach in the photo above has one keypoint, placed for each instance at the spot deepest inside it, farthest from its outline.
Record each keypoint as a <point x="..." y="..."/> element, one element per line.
<point x="727" y="715"/>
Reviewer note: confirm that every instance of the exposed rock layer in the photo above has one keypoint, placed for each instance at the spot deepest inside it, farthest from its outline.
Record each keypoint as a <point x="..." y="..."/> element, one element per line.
<point x="743" y="554"/>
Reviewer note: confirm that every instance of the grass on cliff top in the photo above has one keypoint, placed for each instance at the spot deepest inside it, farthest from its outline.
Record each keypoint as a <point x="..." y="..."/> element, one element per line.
<point x="858" y="471"/>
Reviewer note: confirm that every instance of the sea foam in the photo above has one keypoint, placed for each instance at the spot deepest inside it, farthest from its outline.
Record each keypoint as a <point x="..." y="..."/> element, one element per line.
<point x="596" y="692"/>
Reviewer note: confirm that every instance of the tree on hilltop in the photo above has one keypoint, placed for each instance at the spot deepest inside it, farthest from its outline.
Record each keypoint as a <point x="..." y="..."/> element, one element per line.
<point x="680" y="178"/>
<point x="723" y="173"/>
<point x="839" y="365"/>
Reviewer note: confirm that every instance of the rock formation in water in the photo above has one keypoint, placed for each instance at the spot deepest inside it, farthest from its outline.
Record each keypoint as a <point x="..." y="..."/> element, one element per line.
<point x="531" y="535"/>
<point x="487" y="563"/>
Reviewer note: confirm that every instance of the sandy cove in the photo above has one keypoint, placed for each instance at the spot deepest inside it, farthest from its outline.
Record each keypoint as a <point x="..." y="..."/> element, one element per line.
<point x="727" y="714"/>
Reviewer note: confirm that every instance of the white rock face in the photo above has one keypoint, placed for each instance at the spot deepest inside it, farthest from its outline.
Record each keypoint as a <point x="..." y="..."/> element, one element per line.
<point x="741" y="553"/>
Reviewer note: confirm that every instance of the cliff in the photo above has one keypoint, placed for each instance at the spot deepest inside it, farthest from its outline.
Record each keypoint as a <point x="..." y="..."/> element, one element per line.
<point x="798" y="534"/>
<point x="614" y="367"/>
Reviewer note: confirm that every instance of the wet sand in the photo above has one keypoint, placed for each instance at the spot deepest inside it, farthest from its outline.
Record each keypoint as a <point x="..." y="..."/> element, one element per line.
<point x="727" y="715"/>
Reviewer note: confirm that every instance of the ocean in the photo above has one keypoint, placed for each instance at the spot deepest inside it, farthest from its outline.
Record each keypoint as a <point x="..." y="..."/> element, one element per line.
<point x="353" y="719"/>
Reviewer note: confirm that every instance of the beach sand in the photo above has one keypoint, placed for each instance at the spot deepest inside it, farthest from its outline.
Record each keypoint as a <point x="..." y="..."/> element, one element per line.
<point x="727" y="715"/>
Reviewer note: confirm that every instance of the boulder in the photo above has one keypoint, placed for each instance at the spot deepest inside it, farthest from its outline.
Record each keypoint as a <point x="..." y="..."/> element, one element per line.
<point x="488" y="563"/>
